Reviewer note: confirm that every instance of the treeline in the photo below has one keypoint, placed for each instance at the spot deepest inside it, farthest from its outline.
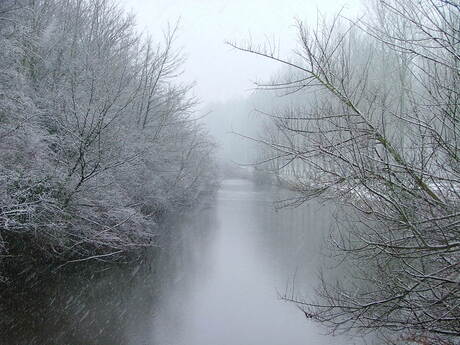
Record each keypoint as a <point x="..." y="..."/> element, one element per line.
<point x="97" y="138"/>
<point x="371" y="123"/>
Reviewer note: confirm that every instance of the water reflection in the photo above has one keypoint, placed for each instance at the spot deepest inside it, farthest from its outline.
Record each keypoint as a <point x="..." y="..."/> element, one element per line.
<point x="101" y="307"/>
<point x="255" y="252"/>
<point x="97" y="303"/>
<point x="216" y="283"/>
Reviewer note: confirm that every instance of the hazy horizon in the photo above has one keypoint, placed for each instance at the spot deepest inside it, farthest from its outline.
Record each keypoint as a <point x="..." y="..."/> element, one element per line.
<point x="220" y="72"/>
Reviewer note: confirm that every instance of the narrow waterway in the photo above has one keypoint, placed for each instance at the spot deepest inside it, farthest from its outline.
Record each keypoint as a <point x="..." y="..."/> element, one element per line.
<point x="234" y="298"/>
<point x="219" y="283"/>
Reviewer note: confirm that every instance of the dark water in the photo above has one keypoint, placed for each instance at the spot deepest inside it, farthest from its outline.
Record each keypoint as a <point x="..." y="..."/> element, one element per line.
<point x="218" y="282"/>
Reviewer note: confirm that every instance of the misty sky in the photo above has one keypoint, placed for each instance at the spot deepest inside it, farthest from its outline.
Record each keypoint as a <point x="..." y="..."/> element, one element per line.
<point x="220" y="72"/>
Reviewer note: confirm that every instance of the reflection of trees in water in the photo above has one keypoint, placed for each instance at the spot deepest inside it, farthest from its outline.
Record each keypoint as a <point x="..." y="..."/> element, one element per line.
<point x="294" y="237"/>
<point x="96" y="303"/>
<point x="80" y="305"/>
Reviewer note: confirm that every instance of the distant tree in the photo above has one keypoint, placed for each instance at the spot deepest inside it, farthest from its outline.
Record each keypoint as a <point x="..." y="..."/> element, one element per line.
<point x="377" y="131"/>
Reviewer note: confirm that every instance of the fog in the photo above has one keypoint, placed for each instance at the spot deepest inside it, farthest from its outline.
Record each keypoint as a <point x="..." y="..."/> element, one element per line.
<point x="247" y="172"/>
<point x="225" y="78"/>
<point x="221" y="73"/>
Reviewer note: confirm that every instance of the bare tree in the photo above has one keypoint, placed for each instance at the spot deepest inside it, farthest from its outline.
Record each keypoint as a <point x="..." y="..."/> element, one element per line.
<point x="378" y="133"/>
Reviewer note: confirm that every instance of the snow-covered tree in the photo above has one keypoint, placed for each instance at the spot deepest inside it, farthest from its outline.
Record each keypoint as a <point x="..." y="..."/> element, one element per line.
<point x="98" y="139"/>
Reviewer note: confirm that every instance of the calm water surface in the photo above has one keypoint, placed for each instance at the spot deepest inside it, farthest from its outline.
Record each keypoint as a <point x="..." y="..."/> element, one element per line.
<point x="218" y="282"/>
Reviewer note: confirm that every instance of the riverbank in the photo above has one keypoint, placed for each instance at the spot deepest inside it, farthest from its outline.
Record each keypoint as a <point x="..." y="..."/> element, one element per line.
<point x="35" y="251"/>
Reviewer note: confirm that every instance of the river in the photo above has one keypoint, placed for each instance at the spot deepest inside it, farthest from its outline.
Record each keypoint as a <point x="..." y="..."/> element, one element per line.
<point x="218" y="282"/>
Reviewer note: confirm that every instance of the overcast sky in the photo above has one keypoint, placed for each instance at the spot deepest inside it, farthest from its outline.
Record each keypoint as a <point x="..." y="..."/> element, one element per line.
<point x="220" y="72"/>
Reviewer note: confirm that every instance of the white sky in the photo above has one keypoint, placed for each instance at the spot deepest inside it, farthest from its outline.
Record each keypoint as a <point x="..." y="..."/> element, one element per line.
<point x="220" y="72"/>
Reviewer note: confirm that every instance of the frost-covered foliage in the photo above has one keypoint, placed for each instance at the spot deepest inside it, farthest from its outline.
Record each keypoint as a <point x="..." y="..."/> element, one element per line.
<point x="97" y="142"/>
<point x="374" y="126"/>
